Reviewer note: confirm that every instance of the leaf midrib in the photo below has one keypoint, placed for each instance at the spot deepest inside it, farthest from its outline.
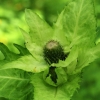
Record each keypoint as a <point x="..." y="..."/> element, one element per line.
<point x="13" y="78"/>
<point x="77" y="20"/>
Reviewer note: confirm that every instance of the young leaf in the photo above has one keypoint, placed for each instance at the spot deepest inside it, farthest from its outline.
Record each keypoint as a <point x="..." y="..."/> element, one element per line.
<point x="40" y="32"/>
<point x="43" y="91"/>
<point x="34" y="49"/>
<point x="59" y="33"/>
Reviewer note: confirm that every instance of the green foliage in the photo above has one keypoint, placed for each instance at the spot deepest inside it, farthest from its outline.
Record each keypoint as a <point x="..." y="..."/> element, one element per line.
<point x="47" y="92"/>
<point x="15" y="85"/>
<point x="75" y="30"/>
<point x="37" y="25"/>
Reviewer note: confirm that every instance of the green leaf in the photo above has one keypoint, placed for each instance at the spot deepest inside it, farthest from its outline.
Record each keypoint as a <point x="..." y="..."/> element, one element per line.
<point x="9" y="56"/>
<point x="40" y="32"/>
<point x="80" y="26"/>
<point x="89" y="56"/>
<point x="15" y="85"/>
<point x="59" y="33"/>
<point x="26" y="63"/>
<point x="43" y="91"/>
<point x="23" y="51"/>
<point x="34" y="49"/>
<point x="79" y="22"/>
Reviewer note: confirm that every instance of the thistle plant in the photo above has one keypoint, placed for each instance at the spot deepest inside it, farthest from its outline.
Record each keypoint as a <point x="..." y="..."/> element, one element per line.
<point x="50" y="65"/>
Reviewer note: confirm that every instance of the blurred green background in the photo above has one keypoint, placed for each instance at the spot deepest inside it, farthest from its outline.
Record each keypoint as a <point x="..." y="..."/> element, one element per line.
<point x="12" y="17"/>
